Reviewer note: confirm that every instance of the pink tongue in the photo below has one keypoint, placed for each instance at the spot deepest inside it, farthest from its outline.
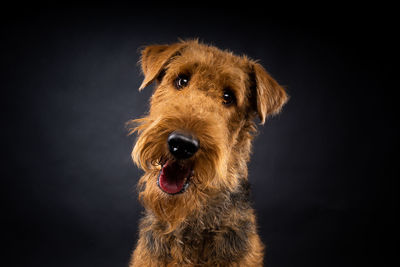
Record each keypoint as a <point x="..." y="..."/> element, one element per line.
<point x="172" y="177"/>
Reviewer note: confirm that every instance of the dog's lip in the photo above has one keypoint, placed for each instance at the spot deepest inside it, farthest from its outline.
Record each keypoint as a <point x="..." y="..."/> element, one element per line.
<point x="174" y="176"/>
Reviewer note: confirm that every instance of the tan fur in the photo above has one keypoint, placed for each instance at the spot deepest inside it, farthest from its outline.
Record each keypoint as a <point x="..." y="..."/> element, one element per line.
<point x="209" y="206"/>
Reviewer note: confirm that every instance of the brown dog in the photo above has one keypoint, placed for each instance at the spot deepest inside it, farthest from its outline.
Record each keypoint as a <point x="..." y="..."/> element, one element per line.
<point x="194" y="146"/>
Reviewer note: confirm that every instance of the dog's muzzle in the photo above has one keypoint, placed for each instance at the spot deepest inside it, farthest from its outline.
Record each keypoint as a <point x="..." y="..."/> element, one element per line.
<point x="175" y="173"/>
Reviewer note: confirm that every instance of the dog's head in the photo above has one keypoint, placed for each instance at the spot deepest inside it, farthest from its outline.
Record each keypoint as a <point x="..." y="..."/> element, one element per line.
<point x="196" y="138"/>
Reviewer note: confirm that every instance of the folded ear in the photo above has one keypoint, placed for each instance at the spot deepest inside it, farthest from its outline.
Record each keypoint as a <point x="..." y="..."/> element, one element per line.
<point x="155" y="58"/>
<point x="269" y="94"/>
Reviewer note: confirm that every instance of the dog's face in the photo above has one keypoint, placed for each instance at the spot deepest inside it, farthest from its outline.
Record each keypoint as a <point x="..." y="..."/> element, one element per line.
<point x="200" y="120"/>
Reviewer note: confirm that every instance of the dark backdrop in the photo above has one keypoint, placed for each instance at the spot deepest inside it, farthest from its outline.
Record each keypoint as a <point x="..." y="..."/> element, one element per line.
<point x="322" y="172"/>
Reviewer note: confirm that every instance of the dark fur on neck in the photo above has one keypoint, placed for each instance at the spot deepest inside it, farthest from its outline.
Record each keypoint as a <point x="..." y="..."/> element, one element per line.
<point x="217" y="234"/>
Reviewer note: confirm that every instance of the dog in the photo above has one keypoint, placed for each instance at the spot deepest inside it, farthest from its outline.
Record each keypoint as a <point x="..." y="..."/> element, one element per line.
<point x="194" y="146"/>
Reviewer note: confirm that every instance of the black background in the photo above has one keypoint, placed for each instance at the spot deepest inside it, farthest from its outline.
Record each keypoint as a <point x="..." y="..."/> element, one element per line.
<point x="322" y="172"/>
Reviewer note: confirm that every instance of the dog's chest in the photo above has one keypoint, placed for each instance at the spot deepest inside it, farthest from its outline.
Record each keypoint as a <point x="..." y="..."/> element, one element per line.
<point x="217" y="235"/>
<point x="201" y="245"/>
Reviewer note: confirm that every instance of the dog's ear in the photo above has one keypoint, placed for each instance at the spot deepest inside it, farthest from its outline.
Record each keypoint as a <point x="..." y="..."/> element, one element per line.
<point x="270" y="96"/>
<point x="155" y="58"/>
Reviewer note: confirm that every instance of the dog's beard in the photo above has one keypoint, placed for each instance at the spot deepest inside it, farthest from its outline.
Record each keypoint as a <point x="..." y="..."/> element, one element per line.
<point x="202" y="175"/>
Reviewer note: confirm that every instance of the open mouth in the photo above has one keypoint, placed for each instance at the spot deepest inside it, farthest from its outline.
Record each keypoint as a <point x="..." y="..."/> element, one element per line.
<point x="174" y="177"/>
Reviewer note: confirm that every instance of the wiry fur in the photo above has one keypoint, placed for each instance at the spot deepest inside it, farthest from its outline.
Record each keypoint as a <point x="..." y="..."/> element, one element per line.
<point x="212" y="223"/>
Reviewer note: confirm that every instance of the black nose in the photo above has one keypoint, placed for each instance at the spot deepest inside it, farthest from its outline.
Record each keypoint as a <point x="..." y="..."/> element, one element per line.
<point x="182" y="145"/>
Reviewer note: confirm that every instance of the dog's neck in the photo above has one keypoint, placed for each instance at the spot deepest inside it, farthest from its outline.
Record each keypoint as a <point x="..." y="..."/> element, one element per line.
<point x="206" y="232"/>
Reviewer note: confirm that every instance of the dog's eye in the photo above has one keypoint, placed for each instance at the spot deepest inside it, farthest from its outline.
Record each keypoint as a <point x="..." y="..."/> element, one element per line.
<point x="181" y="81"/>
<point x="228" y="97"/>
